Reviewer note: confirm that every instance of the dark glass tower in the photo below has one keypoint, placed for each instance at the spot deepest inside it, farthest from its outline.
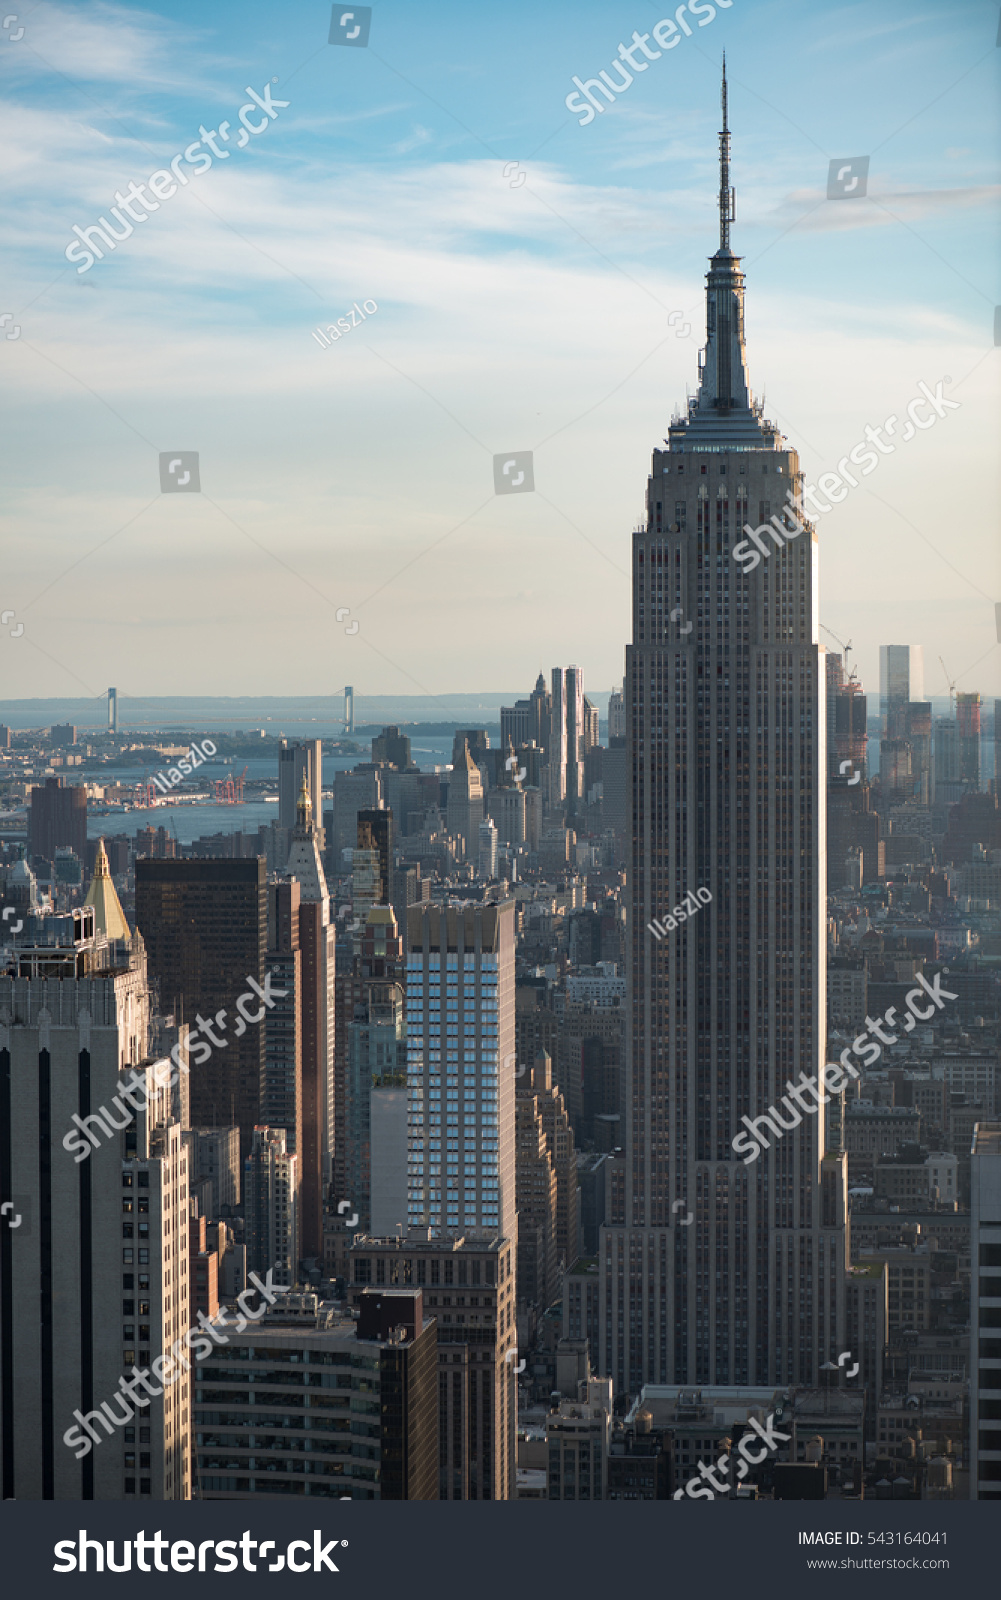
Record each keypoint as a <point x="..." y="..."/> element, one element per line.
<point x="205" y="924"/>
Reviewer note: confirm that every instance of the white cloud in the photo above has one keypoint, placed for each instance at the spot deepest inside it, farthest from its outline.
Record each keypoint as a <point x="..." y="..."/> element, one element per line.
<point x="103" y="43"/>
<point x="505" y="324"/>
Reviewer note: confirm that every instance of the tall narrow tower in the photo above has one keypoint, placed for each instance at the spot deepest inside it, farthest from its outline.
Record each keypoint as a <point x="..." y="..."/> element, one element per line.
<point x="318" y="947"/>
<point x="716" y="1269"/>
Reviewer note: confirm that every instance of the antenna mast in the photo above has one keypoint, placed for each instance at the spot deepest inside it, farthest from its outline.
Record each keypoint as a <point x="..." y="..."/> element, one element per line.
<point x="727" y="196"/>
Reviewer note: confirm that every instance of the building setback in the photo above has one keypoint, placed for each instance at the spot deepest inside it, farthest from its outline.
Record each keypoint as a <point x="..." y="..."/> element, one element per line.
<point x="310" y="1403"/>
<point x="468" y="1285"/>
<point x="725" y="689"/>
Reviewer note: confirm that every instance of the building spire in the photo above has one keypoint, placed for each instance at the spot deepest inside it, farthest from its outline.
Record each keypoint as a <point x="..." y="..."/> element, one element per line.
<point x="723" y="414"/>
<point x="727" y="196"/>
<point x="304" y="808"/>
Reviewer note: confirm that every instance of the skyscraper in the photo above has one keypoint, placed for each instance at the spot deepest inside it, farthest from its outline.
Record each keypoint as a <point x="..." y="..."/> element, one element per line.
<point x="109" y="918"/>
<point x="270" y="1188"/>
<point x="536" y="1178"/>
<point x="487" y="860"/>
<point x="461" y="1184"/>
<point x="725" y="691"/>
<point x="985" y="1286"/>
<point x="393" y="747"/>
<point x="460" y="1044"/>
<point x="528" y="721"/>
<point x="968" y="720"/>
<point x="205" y="924"/>
<point x="318" y="951"/>
<point x="296" y="762"/>
<point x="847" y="734"/>
<point x="57" y="816"/>
<point x="465" y="797"/>
<point x="477" y="1387"/>
<point x="616" y="715"/>
<point x="93" y="1274"/>
<point x="562" y="1148"/>
<point x="573" y="682"/>
<point x="554" y="792"/>
<point x="281" y="1089"/>
<point x="381" y="1366"/>
<point x="901" y="678"/>
<point x="375" y="1131"/>
<point x="375" y="832"/>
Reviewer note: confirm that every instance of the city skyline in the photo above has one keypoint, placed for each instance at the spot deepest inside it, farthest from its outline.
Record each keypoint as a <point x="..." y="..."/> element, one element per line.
<point x="562" y="277"/>
<point x="590" y="1091"/>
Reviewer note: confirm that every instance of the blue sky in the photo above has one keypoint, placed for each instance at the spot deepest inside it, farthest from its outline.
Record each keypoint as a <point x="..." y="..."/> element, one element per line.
<point x="533" y="306"/>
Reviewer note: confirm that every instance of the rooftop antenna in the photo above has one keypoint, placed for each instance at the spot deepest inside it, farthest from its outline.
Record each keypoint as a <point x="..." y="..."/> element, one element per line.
<point x="727" y="196"/>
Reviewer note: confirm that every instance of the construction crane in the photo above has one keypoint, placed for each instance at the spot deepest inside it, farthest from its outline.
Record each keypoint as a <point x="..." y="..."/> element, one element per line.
<point x="952" y="688"/>
<point x="845" y="649"/>
<point x="229" y="791"/>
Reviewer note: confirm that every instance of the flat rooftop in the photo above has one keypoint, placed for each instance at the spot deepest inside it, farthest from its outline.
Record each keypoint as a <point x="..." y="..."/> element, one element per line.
<point x="987" y="1139"/>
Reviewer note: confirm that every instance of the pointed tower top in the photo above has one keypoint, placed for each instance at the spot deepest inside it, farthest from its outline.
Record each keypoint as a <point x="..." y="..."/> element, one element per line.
<point x="304" y="805"/>
<point x="304" y="855"/>
<point x="723" y="414"/>
<point x="109" y="918"/>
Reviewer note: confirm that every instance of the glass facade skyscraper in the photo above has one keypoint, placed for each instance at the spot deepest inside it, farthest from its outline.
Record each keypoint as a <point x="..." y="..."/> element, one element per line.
<point x="460" y="1046"/>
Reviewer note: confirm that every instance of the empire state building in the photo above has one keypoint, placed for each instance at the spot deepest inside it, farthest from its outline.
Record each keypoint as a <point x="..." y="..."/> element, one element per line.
<point x="715" y="1269"/>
